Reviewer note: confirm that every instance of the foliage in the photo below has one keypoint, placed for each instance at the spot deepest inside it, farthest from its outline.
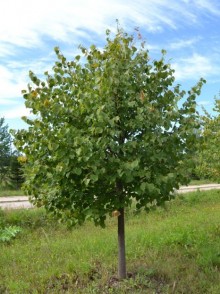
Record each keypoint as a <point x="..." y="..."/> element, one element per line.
<point x="208" y="159"/>
<point x="8" y="233"/>
<point x="5" y="151"/>
<point x="16" y="171"/>
<point x="11" y="174"/>
<point x="108" y="129"/>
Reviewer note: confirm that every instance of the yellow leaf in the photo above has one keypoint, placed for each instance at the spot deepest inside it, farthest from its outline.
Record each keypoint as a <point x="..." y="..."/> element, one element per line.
<point x="115" y="213"/>
<point x="34" y="94"/>
<point x="22" y="159"/>
<point x="46" y="103"/>
<point x="142" y="96"/>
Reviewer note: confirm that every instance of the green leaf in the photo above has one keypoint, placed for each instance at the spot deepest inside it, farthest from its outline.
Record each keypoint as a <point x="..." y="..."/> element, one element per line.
<point x="87" y="181"/>
<point x="143" y="186"/>
<point x="78" y="171"/>
<point x="94" y="178"/>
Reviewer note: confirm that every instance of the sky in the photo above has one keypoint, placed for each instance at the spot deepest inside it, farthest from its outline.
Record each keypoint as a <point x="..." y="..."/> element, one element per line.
<point x="189" y="30"/>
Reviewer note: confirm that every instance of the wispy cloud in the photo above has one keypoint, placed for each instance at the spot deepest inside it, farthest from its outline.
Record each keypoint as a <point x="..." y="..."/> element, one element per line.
<point x="184" y="43"/>
<point x="195" y="67"/>
<point x="17" y="112"/>
<point x="208" y="6"/>
<point x="30" y="29"/>
<point x="6" y="49"/>
<point x="11" y="84"/>
<point x="204" y="103"/>
<point x="14" y="78"/>
<point x="59" y="20"/>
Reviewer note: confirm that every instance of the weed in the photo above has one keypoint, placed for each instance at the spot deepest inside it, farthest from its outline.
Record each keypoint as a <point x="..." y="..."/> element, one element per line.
<point x="8" y="233"/>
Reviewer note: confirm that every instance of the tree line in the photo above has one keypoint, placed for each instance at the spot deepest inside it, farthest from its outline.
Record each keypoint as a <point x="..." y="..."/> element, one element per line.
<point x="11" y="174"/>
<point x="207" y="159"/>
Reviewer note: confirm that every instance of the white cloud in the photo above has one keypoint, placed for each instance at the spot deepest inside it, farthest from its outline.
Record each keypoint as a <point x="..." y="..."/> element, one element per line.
<point x="26" y="22"/>
<point x="6" y="49"/>
<point x="208" y="6"/>
<point x="195" y="67"/>
<point x="17" y="112"/>
<point x="7" y="101"/>
<point x="184" y="43"/>
<point x="204" y="103"/>
<point x="14" y="77"/>
<point x="11" y="85"/>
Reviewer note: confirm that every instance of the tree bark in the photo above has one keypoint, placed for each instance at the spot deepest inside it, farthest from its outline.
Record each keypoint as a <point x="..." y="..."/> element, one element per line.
<point x="121" y="246"/>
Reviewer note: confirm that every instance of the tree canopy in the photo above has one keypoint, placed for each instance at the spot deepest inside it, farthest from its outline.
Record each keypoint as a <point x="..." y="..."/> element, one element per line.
<point x="110" y="127"/>
<point x="208" y="158"/>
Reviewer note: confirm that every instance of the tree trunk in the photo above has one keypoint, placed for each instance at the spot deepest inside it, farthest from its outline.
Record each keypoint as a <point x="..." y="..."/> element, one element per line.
<point x="121" y="246"/>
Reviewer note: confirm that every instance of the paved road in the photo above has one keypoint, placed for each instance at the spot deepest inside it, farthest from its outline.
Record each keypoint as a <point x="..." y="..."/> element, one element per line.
<point x="22" y="201"/>
<point x="191" y="188"/>
<point x="8" y="202"/>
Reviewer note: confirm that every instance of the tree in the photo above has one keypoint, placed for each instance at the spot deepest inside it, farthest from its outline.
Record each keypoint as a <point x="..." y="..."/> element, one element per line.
<point x="16" y="170"/>
<point x="208" y="158"/>
<point x="108" y="129"/>
<point x="5" y="151"/>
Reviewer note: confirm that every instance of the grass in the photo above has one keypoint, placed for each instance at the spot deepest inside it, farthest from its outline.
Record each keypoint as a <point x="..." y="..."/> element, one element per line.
<point x="175" y="249"/>
<point x="9" y="192"/>
<point x="200" y="182"/>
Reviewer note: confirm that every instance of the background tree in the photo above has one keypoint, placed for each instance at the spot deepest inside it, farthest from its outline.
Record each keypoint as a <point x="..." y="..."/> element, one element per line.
<point x="5" y="152"/>
<point x="208" y="158"/>
<point x="108" y="130"/>
<point x="16" y="171"/>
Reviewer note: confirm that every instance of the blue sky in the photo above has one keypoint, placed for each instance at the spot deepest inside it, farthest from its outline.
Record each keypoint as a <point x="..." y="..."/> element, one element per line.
<point x="29" y="30"/>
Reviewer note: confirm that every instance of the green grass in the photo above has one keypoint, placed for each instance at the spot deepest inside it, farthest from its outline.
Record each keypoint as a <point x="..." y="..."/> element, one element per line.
<point x="9" y="192"/>
<point x="200" y="182"/>
<point x="175" y="249"/>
